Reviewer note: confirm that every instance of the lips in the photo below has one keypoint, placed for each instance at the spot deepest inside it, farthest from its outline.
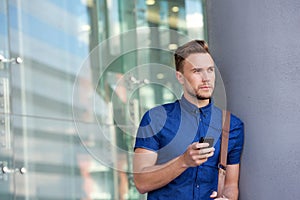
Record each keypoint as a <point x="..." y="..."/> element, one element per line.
<point x="206" y="87"/>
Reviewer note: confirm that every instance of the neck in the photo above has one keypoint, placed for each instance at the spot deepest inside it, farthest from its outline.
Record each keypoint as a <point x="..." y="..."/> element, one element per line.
<point x="202" y="103"/>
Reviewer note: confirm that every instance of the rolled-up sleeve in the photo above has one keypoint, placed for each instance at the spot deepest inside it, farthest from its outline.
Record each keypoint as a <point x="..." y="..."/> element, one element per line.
<point x="237" y="138"/>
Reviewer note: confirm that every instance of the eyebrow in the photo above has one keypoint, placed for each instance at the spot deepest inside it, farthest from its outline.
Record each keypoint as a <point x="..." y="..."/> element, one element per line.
<point x="197" y="68"/>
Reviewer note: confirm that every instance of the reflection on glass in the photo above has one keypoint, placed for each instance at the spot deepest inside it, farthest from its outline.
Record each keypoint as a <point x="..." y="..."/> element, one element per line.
<point x="91" y="69"/>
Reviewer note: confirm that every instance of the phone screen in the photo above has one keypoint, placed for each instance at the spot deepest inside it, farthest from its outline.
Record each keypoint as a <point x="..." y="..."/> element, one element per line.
<point x="208" y="140"/>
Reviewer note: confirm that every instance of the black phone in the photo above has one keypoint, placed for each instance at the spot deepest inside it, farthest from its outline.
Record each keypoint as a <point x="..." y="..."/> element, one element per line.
<point x="209" y="140"/>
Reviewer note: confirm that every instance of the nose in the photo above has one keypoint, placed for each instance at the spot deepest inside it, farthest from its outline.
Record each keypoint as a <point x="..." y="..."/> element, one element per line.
<point x="204" y="76"/>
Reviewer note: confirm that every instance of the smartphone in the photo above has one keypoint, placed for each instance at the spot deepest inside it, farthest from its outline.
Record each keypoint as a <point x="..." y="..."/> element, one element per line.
<point x="209" y="140"/>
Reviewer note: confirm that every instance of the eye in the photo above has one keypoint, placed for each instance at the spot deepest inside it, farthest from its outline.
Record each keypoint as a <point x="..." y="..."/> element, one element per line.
<point x="197" y="70"/>
<point x="211" y="69"/>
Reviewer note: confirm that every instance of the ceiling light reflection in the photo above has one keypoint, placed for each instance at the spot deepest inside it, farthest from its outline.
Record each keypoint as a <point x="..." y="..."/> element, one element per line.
<point x="150" y="2"/>
<point x="175" y="9"/>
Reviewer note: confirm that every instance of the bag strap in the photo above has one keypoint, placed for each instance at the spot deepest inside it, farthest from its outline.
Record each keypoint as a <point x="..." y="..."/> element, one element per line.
<point x="223" y="153"/>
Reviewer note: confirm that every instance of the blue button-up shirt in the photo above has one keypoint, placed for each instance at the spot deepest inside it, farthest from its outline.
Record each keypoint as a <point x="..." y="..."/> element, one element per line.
<point x="170" y="128"/>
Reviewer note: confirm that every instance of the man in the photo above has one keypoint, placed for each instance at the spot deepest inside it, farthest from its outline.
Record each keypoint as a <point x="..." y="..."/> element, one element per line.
<point x="169" y="162"/>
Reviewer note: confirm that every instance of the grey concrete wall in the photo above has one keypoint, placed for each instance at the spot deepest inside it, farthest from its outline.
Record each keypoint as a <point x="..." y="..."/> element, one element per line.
<point x="256" y="45"/>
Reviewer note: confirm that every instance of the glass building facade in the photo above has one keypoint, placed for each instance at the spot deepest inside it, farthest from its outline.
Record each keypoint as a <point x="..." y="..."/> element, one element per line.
<point x="75" y="78"/>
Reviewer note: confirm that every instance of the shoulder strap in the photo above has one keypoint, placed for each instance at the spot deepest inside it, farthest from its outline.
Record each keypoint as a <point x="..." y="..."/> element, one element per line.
<point x="223" y="153"/>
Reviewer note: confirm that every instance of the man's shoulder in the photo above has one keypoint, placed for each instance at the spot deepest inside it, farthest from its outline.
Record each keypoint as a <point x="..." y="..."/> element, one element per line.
<point x="167" y="107"/>
<point x="161" y="112"/>
<point x="235" y="121"/>
<point x="236" y="124"/>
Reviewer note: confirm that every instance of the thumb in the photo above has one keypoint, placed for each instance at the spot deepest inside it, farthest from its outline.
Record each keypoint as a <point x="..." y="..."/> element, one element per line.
<point x="214" y="194"/>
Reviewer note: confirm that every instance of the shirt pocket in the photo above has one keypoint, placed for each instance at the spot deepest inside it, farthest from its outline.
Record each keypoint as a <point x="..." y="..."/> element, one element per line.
<point x="208" y="174"/>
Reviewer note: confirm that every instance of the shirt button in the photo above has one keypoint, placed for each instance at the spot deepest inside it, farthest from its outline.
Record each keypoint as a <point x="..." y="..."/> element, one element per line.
<point x="197" y="186"/>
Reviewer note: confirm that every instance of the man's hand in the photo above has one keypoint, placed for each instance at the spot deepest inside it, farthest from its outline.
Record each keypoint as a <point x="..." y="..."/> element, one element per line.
<point x="231" y="190"/>
<point x="215" y="194"/>
<point x="197" y="153"/>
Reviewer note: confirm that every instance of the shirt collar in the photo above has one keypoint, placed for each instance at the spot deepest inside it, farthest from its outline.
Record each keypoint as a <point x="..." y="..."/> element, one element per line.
<point x="190" y="107"/>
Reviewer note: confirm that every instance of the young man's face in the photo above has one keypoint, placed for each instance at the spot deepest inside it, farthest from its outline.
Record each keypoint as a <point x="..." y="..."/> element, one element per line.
<point x="198" y="77"/>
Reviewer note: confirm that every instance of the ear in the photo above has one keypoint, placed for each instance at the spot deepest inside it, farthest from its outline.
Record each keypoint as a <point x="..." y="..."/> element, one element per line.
<point x="180" y="77"/>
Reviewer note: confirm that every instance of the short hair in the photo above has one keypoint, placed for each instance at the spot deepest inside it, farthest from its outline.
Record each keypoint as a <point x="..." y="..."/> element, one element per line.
<point x="182" y="52"/>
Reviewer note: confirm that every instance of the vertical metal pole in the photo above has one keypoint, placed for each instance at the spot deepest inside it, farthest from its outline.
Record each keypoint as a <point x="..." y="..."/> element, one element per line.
<point x="112" y="132"/>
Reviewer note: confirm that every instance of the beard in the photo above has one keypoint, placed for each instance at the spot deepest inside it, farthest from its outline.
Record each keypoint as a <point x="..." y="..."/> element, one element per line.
<point x="201" y="97"/>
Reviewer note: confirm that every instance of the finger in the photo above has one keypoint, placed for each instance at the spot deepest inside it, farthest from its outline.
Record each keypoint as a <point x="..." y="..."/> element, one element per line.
<point x="207" y="150"/>
<point x="214" y="194"/>
<point x="225" y="198"/>
<point x="198" y="145"/>
<point x="204" y="155"/>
